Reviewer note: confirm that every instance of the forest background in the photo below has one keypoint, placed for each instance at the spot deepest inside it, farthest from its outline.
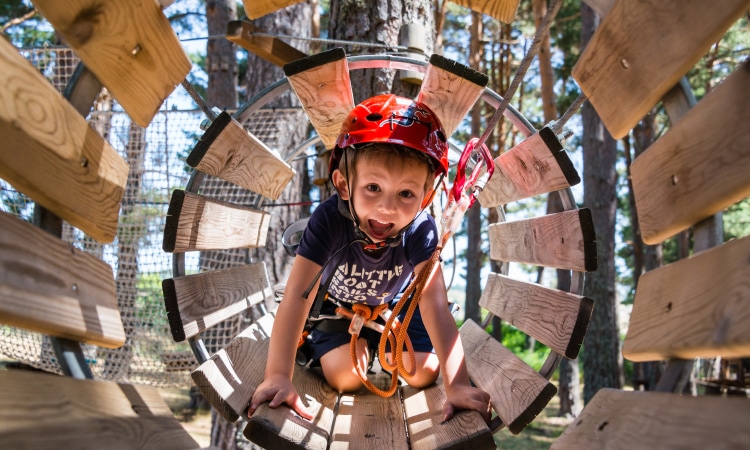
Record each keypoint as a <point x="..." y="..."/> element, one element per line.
<point x="227" y="76"/>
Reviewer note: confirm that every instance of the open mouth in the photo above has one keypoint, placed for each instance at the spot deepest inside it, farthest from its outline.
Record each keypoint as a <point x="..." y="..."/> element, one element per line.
<point x="378" y="230"/>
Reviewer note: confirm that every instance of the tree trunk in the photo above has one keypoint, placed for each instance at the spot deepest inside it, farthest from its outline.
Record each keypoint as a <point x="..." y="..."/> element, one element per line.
<point x="221" y="63"/>
<point x="601" y="355"/>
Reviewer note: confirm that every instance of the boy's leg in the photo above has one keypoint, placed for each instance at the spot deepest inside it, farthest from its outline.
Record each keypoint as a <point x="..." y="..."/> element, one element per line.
<point x="338" y="369"/>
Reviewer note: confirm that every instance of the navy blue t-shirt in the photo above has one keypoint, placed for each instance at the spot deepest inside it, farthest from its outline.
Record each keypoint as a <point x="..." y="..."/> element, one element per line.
<point x="360" y="277"/>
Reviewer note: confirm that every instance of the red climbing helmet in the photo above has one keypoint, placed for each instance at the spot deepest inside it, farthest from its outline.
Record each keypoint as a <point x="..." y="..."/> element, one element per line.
<point x="398" y="120"/>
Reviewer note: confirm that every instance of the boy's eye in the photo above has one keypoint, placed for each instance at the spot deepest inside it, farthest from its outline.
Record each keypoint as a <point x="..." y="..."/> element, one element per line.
<point x="406" y="194"/>
<point x="372" y="187"/>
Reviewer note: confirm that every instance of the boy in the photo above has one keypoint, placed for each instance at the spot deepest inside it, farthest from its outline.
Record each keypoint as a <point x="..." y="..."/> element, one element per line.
<point x="367" y="241"/>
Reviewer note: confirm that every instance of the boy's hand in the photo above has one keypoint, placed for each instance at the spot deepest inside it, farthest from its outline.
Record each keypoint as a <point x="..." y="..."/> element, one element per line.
<point x="466" y="397"/>
<point x="278" y="389"/>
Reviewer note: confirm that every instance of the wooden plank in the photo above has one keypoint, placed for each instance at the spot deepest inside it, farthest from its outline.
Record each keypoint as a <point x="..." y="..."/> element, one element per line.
<point x="228" y="151"/>
<point x="259" y="8"/>
<point x="537" y="165"/>
<point x="450" y="90"/>
<point x="627" y="420"/>
<point x="322" y="84"/>
<point x="195" y="222"/>
<point x="364" y="420"/>
<point x="51" y="154"/>
<point x="129" y="46"/>
<point x="44" y="411"/>
<point x="51" y="287"/>
<point x="230" y="377"/>
<point x="563" y="240"/>
<point x="518" y="392"/>
<point x="427" y="431"/>
<point x="621" y="80"/>
<point x="502" y="10"/>
<point x="700" y="166"/>
<point x="197" y="302"/>
<point x="272" y="49"/>
<point x="695" y="307"/>
<point x="557" y="319"/>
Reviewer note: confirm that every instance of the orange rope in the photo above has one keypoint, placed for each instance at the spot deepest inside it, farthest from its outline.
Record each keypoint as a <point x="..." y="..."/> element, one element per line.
<point x="414" y="290"/>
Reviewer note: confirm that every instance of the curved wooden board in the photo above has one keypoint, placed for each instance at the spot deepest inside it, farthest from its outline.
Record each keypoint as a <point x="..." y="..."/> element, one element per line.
<point x="518" y="392"/>
<point x="51" y="287"/>
<point x="52" y="155"/>
<point x="695" y="307"/>
<point x="197" y="302"/>
<point x="502" y="10"/>
<point x="557" y="319"/>
<point x="450" y="89"/>
<point x="323" y="86"/>
<point x="129" y="46"/>
<point x="228" y="151"/>
<point x="272" y="49"/>
<point x="196" y="222"/>
<point x="259" y="8"/>
<point x="537" y="165"/>
<point x="700" y="166"/>
<point x="563" y="240"/>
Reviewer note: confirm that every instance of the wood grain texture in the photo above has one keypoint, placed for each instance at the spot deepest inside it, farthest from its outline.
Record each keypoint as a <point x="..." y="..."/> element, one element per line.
<point x="51" y="287"/>
<point x="129" y="46"/>
<point x="502" y="10"/>
<point x="621" y="80"/>
<point x="228" y="151"/>
<point x="700" y="166"/>
<point x="695" y="307"/>
<point x="517" y="391"/>
<point x="272" y="49"/>
<point x="44" y="411"/>
<point x="364" y="420"/>
<point x="195" y="222"/>
<point x="450" y="90"/>
<point x="323" y="86"/>
<point x="557" y="319"/>
<point x="259" y="8"/>
<point x="616" y="419"/>
<point x="427" y="431"/>
<point x="197" y="302"/>
<point x="563" y="240"/>
<point x="51" y="154"/>
<point x="535" y="166"/>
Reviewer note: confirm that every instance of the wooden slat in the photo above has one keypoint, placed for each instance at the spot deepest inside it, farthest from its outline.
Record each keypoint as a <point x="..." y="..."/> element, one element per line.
<point x="629" y="420"/>
<point x="518" y="392"/>
<point x="259" y="8"/>
<point x="427" y="431"/>
<point x="129" y="46"/>
<point x="563" y="240"/>
<point x="51" y="154"/>
<point x="536" y="166"/>
<point x="44" y="411"/>
<point x="197" y="302"/>
<point x="323" y="86"/>
<point x="272" y="49"/>
<point x="700" y="166"/>
<point x="228" y="151"/>
<point x="450" y="90"/>
<point x="364" y="420"/>
<point x="557" y="319"/>
<point x="51" y="287"/>
<point x="695" y="307"/>
<point x="502" y="10"/>
<point x="195" y="222"/>
<point x="621" y="80"/>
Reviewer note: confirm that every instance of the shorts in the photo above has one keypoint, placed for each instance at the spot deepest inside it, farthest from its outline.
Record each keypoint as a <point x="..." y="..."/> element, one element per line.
<point x="322" y="342"/>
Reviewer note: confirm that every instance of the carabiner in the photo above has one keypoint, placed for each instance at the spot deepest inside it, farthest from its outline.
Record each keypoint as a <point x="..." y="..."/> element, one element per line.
<point x="474" y="182"/>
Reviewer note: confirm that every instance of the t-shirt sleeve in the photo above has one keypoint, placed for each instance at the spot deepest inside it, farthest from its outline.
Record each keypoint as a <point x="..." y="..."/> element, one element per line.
<point x="321" y="234"/>
<point x="421" y="239"/>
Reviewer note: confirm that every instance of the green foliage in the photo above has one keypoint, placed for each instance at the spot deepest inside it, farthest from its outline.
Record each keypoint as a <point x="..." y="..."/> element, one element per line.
<point x="33" y="32"/>
<point x="737" y="220"/>
<point x="150" y="302"/>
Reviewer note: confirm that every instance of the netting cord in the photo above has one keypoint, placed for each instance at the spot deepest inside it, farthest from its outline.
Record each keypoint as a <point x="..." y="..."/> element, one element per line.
<point x="552" y="10"/>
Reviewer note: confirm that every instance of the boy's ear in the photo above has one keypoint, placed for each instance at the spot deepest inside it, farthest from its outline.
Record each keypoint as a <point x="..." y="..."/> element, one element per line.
<point x="339" y="182"/>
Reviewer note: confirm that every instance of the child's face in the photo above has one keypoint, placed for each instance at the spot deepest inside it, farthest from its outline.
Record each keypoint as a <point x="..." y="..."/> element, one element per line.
<point x="388" y="194"/>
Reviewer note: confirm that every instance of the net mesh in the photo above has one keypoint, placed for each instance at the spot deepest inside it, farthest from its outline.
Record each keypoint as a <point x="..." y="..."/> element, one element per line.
<point x="156" y="155"/>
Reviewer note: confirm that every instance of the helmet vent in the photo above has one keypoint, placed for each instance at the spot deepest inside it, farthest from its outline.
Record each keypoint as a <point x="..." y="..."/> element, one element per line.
<point x="374" y="117"/>
<point x="441" y="136"/>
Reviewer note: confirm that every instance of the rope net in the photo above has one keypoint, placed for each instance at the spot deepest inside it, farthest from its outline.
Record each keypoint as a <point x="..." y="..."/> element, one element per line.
<point x="156" y="155"/>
